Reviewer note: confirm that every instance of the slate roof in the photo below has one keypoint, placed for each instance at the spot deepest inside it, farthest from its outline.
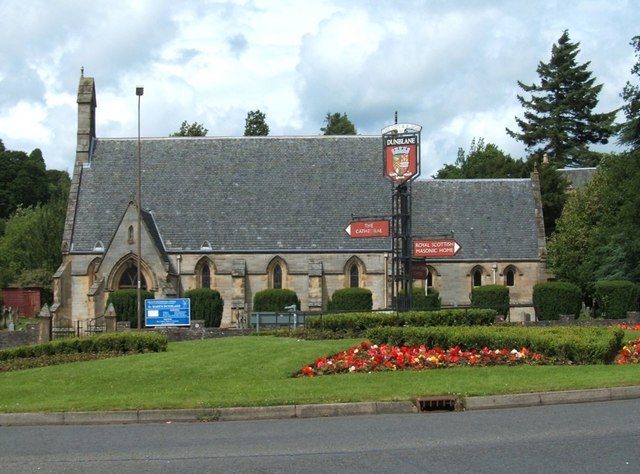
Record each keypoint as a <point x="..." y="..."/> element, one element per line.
<point x="489" y="218"/>
<point x="288" y="194"/>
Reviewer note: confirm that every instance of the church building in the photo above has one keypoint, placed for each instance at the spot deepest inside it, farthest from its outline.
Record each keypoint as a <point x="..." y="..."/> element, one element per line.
<point x="242" y="214"/>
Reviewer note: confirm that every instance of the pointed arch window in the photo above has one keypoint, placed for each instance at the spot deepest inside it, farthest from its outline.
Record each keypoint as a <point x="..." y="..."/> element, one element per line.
<point x="277" y="276"/>
<point x="129" y="278"/>
<point x="205" y="276"/>
<point x="354" y="276"/>
<point x="510" y="277"/>
<point x="477" y="277"/>
<point x="429" y="278"/>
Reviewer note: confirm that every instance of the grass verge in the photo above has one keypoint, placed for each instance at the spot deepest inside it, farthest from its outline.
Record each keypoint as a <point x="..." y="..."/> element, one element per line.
<point x="256" y="371"/>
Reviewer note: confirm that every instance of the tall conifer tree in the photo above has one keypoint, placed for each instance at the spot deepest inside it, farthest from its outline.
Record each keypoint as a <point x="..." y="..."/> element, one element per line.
<point x="630" y="130"/>
<point x="559" y="118"/>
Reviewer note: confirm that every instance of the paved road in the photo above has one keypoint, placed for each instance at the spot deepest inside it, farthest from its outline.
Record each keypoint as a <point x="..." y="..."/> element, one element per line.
<point x="602" y="437"/>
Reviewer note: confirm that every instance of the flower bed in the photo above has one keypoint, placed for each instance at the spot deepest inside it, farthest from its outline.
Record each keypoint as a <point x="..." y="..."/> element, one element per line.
<point x="368" y="357"/>
<point x="630" y="353"/>
<point x="629" y="327"/>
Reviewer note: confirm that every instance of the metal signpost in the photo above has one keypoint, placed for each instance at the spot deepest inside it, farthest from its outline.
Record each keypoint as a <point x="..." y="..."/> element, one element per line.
<point x="401" y="162"/>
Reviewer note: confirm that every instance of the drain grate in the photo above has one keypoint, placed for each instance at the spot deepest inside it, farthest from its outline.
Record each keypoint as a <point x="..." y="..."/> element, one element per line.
<point x="436" y="403"/>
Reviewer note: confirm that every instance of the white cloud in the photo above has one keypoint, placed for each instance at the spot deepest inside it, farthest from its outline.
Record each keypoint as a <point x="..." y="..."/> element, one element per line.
<point x="452" y="67"/>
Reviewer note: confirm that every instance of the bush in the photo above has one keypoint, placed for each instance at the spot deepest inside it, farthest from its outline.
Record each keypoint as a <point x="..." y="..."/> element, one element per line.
<point x="275" y="300"/>
<point x="116" y="342"/>
<point x="616" y="297"/>
<point x="124" y="303"/>
<point x="422" y="302"/>
<point x="491" y="296"/>
<point x="580" y="345"/>
<point x="553" y="298"/>
<point x="207" y="305"/>
<point x="355" y="323"/>
<point x="351" y="299"/>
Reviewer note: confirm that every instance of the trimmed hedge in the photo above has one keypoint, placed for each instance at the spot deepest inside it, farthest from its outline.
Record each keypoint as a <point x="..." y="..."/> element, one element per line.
<point x="491" y="296"/>
<point x="422" y="302"/>
<point x="354" y="322"/>
<point x="580" y="345"/>
<point x="116" y="342"/>
<point x="351" y="299"/>
<point x="125" y="302"/>
<point x="207" y="305"/>
<point x="616" y="297"/>
<point x="553" y="298"/>
<point x="275" y="299"/>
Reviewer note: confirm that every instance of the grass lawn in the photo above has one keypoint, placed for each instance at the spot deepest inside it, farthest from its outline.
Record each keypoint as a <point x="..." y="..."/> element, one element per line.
<point x="255" y="371"/>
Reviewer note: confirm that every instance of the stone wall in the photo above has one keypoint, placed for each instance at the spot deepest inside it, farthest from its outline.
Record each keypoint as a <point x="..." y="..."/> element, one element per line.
<point x="28" y="336"/>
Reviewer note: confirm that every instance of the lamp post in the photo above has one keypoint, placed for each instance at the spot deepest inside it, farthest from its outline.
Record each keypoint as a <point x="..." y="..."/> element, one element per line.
<point x="139" y="92"/>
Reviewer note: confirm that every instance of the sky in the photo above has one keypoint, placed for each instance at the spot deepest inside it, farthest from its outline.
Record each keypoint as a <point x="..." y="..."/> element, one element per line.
<point x="450" y="66"/>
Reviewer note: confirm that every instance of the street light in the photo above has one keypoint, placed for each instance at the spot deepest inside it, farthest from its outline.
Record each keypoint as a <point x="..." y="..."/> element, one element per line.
<point x="139" y="92"/>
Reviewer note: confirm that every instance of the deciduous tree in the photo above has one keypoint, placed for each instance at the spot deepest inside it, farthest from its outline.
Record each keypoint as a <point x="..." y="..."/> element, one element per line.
<point x="598" y="235"/>
<point x="483" y="161"/>
<point x="338" y="124"/>
<point x="187" y="129"/>
<point x="255" y="124"/>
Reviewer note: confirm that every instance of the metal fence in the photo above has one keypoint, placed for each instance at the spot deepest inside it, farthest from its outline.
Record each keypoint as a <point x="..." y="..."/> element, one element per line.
<point x="77" y="328"/>
<point x="272" y="320"/>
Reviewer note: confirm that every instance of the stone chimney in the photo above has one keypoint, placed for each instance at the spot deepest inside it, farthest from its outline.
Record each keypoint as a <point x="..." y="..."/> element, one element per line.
<point x="86" y="135"/>
<point x="86" y="117"/>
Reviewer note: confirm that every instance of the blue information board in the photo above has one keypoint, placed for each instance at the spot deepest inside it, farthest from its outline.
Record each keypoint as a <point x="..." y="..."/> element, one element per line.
<point x="167" y="312"/>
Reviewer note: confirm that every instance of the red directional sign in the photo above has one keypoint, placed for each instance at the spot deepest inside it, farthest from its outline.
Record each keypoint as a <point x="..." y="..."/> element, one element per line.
<point x="435" y="248"/>
<point x="362" y="229"/>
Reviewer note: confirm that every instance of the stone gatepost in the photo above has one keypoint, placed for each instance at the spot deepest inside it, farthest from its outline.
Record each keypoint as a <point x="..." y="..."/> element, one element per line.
<point x="238" y="297"/>
<point x="110" y="319"/>
<point x="315" y="285"/>
<point x="44" y="324"/>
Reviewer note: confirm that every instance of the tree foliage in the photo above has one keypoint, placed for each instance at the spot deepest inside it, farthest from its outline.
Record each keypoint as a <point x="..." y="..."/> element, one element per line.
<point x="255" y="124"/>
<point x="31" y="242"/>
<point x="598" y="235"/>
<point x="23" y="181"/>
<point x="630" y="130"/>
<point x="33" y="202"/>
<point x="187" y="129"/>
<point x="553" y="192"/>
<point x="483" y="161"/>
<point x="558" y="117"/>
<point x="338" y="124"/>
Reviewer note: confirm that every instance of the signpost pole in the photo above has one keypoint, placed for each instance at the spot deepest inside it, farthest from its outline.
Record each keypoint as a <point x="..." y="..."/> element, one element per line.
<point x="401" y="162"/>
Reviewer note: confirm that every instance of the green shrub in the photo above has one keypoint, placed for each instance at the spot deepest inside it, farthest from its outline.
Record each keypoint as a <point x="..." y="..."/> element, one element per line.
<point x="421" y="302"/>
<point x="207" y="305"/>
<point x="115" y="342"/>
<point x="553" y="298"/>
<point x="355" y="323"/>
<point x="616" y="297"/>
<point x="125" y="302"/>
<point x="275" y="299"/>
<point x="580" y="345"/>
<point x="491" y="296"/>
<point x="351" y="299"/>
